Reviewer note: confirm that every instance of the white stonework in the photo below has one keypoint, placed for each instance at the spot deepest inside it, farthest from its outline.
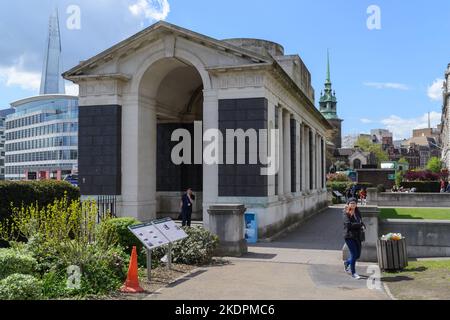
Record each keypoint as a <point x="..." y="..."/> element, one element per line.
<point x="150" y="74"/>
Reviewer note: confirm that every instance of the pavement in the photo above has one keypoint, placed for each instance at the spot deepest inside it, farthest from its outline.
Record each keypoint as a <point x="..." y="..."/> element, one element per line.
<point x="305" y="264"/>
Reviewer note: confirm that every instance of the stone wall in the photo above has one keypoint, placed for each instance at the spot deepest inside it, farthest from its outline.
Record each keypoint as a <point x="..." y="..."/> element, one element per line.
<point x="424" y="238"/>
<point x="388" y="199"/>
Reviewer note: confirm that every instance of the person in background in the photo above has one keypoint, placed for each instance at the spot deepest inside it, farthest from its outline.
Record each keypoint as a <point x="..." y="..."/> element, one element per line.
<point x="442" y="186"/>
<point x="186" y="204"/>
<point x="363" y="196"/>
<point x="353" y="234"/>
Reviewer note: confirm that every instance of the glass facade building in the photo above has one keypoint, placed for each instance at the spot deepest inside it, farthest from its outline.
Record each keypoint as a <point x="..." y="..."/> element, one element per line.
<point x="3" y="114"/>
<point x="42" y="138"/>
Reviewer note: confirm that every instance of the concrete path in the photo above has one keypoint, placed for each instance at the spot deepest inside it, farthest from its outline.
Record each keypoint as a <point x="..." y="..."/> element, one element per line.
<point x="305" y="264"/>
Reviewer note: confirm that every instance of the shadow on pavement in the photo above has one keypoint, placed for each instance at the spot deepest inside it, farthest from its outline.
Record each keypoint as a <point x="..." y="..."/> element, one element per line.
<point x="323" y="231"/>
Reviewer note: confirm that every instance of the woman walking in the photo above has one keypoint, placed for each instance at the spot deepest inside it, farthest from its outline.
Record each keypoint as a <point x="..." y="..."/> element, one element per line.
<point x="353" y="234"/>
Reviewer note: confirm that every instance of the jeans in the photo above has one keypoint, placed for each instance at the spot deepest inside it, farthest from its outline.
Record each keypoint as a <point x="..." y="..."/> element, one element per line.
<point x="186" y="215"/>
<point x="355" y="252"/>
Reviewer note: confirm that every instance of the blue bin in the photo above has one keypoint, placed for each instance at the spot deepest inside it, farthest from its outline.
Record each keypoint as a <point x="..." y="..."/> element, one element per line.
<point x="251" y="227"/>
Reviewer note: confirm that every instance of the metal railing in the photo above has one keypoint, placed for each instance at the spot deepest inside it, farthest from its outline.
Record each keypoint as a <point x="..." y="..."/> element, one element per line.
<point x="107" y="206"/>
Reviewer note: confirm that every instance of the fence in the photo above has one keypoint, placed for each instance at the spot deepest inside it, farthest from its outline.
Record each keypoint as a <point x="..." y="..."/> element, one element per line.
<point x="107" y="205"/>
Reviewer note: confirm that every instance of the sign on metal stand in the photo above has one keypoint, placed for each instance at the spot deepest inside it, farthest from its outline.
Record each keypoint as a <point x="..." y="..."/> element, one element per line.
<point x="158" y="233"/>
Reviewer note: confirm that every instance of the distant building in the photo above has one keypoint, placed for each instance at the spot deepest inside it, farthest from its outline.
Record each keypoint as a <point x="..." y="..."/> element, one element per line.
<point x="42" y="138"/>
<point x="445" y="123"/>
<point x="3" y="114"/>
<point x="42" y="134"/>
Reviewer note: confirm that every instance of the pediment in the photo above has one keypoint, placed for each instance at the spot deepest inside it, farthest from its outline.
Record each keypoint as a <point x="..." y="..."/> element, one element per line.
<point x="219" y="53"/>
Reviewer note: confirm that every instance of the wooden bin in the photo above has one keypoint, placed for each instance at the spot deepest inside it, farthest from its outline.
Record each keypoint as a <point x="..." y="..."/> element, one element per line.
<point x="392" y="254"/>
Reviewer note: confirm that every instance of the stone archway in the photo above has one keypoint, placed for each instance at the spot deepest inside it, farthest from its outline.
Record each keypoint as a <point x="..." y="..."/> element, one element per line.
<point x="168" y="95"/>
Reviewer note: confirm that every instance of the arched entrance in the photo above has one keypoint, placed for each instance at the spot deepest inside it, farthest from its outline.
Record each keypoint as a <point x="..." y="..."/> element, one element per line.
<point x="174" y="89"/>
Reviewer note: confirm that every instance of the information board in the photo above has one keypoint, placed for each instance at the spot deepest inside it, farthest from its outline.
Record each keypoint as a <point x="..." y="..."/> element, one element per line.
<point x="169" y="228"/>
<point x="158" y="233"/>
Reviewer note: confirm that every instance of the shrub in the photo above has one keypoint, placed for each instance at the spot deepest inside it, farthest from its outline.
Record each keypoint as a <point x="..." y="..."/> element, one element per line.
<point x="421" y="176"/>
<point x="338" y="177"/>
<point x="13" y="261"/>
<point x="57" y="222"/>
<point x="423" y="186"/>
<point x="339" y="186"/>
<point x="197" y="248"/>
<point x="381" y="188"/>
<point x="20" y="287"/>
<point x="116" y="230"/>
<point x="102" y="270"/>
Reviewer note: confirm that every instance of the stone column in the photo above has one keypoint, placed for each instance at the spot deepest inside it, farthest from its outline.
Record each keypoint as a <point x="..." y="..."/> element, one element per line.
<point x="139" y="144"/>
<point x="324" y="164"/>
<point x="210" y="172"/>
<point x="287" y="152"/>
<point x="298" y="155"/>
<point x="281" y="154"/>
<point x="314" y="157"/>
<point x="306" y="156"/>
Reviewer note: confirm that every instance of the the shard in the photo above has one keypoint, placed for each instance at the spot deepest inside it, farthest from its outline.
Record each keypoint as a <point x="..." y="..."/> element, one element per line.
<point x="52" y="81"/>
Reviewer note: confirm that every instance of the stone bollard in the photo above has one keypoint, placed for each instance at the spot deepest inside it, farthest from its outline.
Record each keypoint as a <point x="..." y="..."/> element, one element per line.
<point x="370" y="216"/>
<point x="227" y="222"/>
<point x="372" y="196"/>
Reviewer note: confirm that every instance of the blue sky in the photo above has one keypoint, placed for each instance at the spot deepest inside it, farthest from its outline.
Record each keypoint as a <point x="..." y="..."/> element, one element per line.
<point x="383" y="78"/>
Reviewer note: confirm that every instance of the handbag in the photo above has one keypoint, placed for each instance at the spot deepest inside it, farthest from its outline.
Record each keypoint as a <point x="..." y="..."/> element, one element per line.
<point x="362" y="235"/>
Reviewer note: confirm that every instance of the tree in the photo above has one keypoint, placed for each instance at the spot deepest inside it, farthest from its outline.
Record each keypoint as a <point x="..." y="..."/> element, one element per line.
<point x="403" y="160"/>
<point x="368" y="146"/>
<point x="434" y="165"/>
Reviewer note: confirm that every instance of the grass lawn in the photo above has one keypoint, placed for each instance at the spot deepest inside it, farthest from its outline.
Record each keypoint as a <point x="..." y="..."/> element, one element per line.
<point x="415" y="213"/>
<point x="421" y="280"/>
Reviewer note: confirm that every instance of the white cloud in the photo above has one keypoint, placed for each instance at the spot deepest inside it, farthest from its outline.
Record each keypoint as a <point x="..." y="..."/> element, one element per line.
<point x="72" y="89"/>
<point x="151" y="9"/>
<point x="402" y="127"/>
<point x="387" y="85"/>
<point x="16" y="75"/>
<point x="435" y="90"/>
<point x="366" y="121"/>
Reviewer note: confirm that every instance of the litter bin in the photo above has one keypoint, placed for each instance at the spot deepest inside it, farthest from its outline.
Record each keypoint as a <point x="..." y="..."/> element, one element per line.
<point x="392" y="254"/>
<point x="251" y="227"/>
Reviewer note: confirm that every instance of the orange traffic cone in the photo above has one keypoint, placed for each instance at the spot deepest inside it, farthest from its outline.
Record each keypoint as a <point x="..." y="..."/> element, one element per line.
<point x="132" y="283"/>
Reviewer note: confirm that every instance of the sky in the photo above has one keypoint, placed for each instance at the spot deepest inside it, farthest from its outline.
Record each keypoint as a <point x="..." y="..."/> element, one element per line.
<point x="388" y="58"/>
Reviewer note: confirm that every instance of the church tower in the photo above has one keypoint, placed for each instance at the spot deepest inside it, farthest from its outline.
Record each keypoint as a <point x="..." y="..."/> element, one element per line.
<point x="328" y="108"/>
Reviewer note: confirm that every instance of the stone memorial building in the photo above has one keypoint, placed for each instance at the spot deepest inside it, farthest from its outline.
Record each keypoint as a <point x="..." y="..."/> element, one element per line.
<point x="135" y="95"/>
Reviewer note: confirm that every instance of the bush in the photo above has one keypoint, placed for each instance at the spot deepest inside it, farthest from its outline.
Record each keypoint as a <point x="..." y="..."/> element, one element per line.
<point x="381" y="188"/>
<point x="197" y="249"/>
<point x="423" y="186"/>
<point x="57" y="222"/>
<point x="116" y="230"/>
<point x="422" y="176"/>
<point x="30" y="192"/>
<point x="339" y="186"/>
<point x="102" y="270"/>
<point x="13" y="261"/>
<point x="338" y="177"/>
<point x="20" y="287"/>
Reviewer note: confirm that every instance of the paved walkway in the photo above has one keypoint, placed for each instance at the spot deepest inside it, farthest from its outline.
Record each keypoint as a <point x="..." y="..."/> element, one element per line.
<point x="305" y="264"/>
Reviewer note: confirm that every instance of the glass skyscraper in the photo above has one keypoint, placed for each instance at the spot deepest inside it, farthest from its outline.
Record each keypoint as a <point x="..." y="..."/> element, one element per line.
<point x="3" y="114"/>
<point x="42" y="134"/>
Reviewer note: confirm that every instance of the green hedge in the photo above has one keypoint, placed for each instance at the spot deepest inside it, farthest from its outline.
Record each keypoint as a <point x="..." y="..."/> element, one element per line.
<point x="423" y="186"/>
<point x="30" y="192"/>
<point x="13" y="261"/>
<point x="339" y="186"/>
<point x="21" y="287"/>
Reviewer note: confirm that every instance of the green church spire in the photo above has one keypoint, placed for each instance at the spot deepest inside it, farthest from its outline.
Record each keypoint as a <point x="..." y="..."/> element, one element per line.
<point x="328" y="101"/>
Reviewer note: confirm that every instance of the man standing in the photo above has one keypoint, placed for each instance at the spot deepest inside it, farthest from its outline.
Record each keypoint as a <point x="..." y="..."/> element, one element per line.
<point x="186" y="207"/>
